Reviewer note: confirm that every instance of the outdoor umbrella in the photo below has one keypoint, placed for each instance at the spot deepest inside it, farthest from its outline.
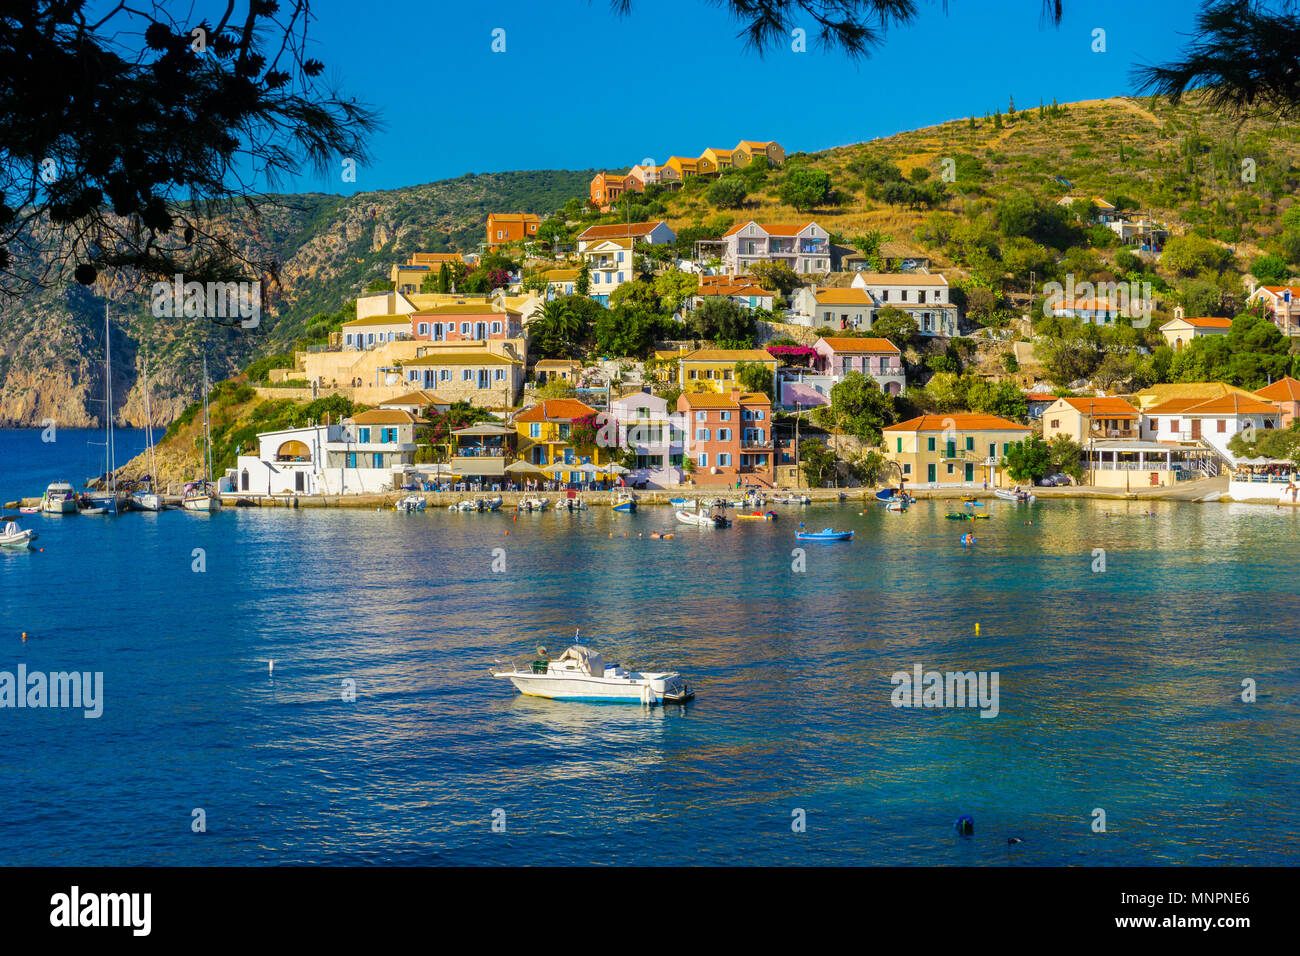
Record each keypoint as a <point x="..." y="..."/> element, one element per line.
<point x="524" y="468"/>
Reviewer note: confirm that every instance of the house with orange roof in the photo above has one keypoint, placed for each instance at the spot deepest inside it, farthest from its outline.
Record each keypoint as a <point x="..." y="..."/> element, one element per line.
<point x="1284" y="395"/>
<point x="715" y="161"/>
<point x="923" y="296"/>
<point x="1281" y="303"/>
<point x="510" y="227"/>
<point x="747" y="149"/>
<point x="642" y="175"/>
<point x="1208" y="422"/>
<point x="1087" y="418"/>
<point x="729" y="437"/>
<point x="651" y="233"/>
<point x="805" y="247"/>
<point x="954" y="450"/>
<point x="546" y="436"/>
<point x="714" y="370"/>
<point x="745" y="291"/>
<point x="1181" y="329"/>
<point x="606" y="188"/>
<point x="408" y="277"/>
<point x="879" y="359"/>
<point x="678" y="169"/>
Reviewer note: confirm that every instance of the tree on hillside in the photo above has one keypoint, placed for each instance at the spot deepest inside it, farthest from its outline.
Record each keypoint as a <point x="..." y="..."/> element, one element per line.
<point x="729" y="192"/>
<point x="563" y="328"/>
<point x="858" y="407"/>
<point x="129" y="131"/>
<point x="675" y="289"/>
<point x="638" y="294"/>
<point x="896" y="325"/>
<point x="776" y="276"/>
<point x="444" y="278"/>
<point x="817" y="462"/>
<point x="1192" y="255"/>
<point x="755" y="377"/>
<point x="805" y="188"/>
<point x="998" y="398"/>
<point x="721" y="320"/>
<point x="583" y="285"/>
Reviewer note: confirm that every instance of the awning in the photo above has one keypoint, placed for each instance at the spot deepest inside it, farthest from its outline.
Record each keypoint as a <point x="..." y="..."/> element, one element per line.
<point x="483" y="428"/>
<point x="524" y="468"/>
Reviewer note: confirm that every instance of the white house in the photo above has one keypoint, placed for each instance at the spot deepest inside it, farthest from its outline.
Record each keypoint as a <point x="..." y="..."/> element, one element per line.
<point x="1210" y="421"/>
<point x="651" y="233"/>
<point x="366" y="454"/>
<point x="1180" y="330"/>
<point x="804" y="248"/>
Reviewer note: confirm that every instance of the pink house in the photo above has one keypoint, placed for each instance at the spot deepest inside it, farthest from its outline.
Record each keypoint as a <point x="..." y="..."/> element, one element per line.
<point x="469" y="322"/>
<point x="878" y="358"/>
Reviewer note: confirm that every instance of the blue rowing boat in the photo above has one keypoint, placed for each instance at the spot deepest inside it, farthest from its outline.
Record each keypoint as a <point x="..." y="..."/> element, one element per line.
<point x="826" y="534"/>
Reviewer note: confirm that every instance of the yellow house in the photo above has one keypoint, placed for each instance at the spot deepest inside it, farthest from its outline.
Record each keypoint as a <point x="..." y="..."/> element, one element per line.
<point x="714" y="370"/>
<point x="1087" y="419"/>
<point x="715" y="161"/>
<point x="545" y="431"/>
<point x="683" y="167"/>
<point x="375" y="330"/>
<point x="954" y="449"/>
<point x="747" y="149"/>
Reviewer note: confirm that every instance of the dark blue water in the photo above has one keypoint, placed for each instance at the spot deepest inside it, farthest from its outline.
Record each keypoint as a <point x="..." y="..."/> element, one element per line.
<point x="1120" y="690"/>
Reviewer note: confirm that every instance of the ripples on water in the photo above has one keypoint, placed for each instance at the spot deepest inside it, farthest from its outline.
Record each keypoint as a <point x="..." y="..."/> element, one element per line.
<point x="1119" y="690"/>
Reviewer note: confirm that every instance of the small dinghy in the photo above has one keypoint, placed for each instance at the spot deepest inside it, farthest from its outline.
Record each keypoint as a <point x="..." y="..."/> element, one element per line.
<point x="896" y="504"/>
<point x="13" y="536"/>
<point x="1014" y="495"/>
<point x="757" y="516"/>
<point x="792" y="500"/>
<point x="625" y="502"/>
<point x="682" y="504"/>
<point x="826" y="534"/>
<point x="581" y="674"/>
<point x="532" y="504"/>
<point x="411" y="503"/>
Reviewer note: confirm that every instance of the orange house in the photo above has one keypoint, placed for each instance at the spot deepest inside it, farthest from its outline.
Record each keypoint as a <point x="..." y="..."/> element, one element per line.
<point x="606" y="188"/>
<point x="510" y="227"/>
<point x="729" y="437"/>
<point x="1284" y="395"/>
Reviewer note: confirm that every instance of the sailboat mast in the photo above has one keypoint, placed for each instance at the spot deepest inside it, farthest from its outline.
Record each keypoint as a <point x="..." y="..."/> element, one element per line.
<point x="148" y="424"/>
<point x="207" y="431"/>
<point x="109" y="456"/>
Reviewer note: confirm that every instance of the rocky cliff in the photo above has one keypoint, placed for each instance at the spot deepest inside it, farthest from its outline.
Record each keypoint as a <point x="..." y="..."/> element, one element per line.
<point x="330" y="247"/>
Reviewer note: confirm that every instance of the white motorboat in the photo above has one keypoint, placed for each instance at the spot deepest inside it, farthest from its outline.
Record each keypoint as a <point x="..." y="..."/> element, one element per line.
<point x="582" y="674"/>
<point x="488" y="504"/>
<point x="792" y="500"/>
<point x="1013" y="494"/>
<point x="533" y="504"/>
<point x="703" y="519"/>
<point x="685" y="504"/>
<point x="410" y="503"/>
<point x="13" y="536"/>
<point x="59" y="499"/>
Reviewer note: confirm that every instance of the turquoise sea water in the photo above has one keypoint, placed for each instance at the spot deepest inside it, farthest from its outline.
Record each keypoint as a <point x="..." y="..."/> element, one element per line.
<point x="1120" y="689"/>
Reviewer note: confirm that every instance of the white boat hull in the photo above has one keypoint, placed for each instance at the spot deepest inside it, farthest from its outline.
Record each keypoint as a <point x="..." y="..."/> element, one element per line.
<point x="23" y="539"/>
<point x="147" y="501"/>
<point x="647" y="689"/>
<point x="202" y="503"/>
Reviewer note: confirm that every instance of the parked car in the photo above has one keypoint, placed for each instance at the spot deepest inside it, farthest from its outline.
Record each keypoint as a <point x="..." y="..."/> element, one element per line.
<point x="1053" y="481"/>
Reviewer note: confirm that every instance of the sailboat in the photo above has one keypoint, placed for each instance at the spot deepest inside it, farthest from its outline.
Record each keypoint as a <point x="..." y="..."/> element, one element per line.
<point x="201" y="495"/>
<point x="111" y="501"/>
<point x="148" y="499"/>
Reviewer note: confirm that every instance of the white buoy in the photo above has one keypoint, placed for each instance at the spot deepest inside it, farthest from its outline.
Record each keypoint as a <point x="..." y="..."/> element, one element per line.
<point x="270" y="668"/>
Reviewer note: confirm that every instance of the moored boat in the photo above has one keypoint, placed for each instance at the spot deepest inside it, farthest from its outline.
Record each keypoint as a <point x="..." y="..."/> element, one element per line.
<point x="1013" y="494"/>
<point x="581" y="674"/>
<point x="14" y="536"/>
<point x="59" y="499"/>
<point x="703" y="519"/>
<point x="757" y="516"/>
<point x="201" y="496"/>
<point x="625" y="502"/>
<point x="826" y="534"/>
<point x="410" y="503"/>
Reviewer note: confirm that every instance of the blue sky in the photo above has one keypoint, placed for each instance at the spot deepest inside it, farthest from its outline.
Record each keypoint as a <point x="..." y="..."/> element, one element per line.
<point x="578" y="87"/>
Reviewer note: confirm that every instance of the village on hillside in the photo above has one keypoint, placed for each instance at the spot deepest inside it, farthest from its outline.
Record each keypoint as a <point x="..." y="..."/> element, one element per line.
<point x="567" y="353"/>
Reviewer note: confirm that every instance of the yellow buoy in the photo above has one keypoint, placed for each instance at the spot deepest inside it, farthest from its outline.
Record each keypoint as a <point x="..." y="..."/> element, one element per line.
<point x="977" y="628"/>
